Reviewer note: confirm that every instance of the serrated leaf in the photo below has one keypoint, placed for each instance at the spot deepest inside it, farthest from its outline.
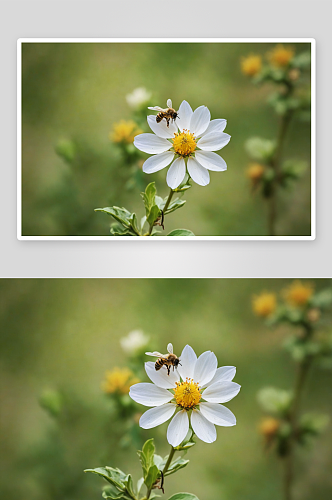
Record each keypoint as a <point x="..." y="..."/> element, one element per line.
<point x="183" y="496"/>
<point x="181" y="232"/>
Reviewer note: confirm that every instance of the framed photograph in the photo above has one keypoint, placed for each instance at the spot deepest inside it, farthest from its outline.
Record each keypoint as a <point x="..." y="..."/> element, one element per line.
<point x="186" y="138"/>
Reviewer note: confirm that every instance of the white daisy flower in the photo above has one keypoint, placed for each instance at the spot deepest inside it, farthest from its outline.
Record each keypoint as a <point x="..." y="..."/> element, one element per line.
<point x="195" y="388"/>
<point x="189" y="140"/>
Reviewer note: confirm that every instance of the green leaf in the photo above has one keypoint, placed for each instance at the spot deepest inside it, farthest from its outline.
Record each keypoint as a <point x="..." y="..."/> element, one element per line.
<point x="121" y="215"/>
<point x="140" y="483"/>
<point x="151" y="476"/>
<point x="178" y="464"/>
<point x="51" y="401"/>
<point x="182" y="189"/>
<point x="153" y="215"/>
<point x="146" y="456"/>
<point x="302" y="60"/>
<point x="149" y="197"/>
<point x="183" y="496"/>
<point x="322" y="299"/>
<point x="177" y="203"/>
<point x="181" y="232"/>
<point x="158" y="461"/>
<point x="112" y="492"/>
<point x="114" y="476"/>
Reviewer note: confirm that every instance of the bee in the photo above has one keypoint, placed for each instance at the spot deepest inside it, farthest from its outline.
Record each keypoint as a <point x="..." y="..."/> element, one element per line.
<point x="167" y="360"/>
<point x="168" y="113"/>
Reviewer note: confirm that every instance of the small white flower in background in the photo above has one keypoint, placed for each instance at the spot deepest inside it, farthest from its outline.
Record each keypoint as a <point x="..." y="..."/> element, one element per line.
<point x="189" y="140"/>
<point x="198" y="388"/>
<point x="138" y="98"/>
<point x="134" y="342"/>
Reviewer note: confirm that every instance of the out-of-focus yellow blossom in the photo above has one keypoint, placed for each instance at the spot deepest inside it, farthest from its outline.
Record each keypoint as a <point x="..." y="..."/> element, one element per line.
<point x="125" y="131"/>
<point x="298" y="294"/>
<point x="255" y="172"/>
<point x="264" y="304"/>
<point x="119" y="381"/>
<point x="269" y="427"/>
<point x="281" y="56"/>
<point x="251" y="65"/>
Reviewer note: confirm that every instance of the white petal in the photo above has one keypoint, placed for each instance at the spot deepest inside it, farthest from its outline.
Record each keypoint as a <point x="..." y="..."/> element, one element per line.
<point x="224" y="373"/>
<point x="185" y="113"/>
<point x="203" y="429"/>
<point x="157" y="162"/>
<point x="149" y="394"/>
<point x="161" y="129"/>
<point x="200" y="120"/>
<point x="156" y="416"/>
<point x="198" y="173"/>
<point x="150" y="143"/>
<point x="178" y="428"/>
<point x="160" y="377"/>
<point x="176" y="173"/>
<point x="205" y="368"/>
<point x="218" y="125"/>
<point x="188" y="360"/>
<point x="213" y="141"/>
<point x="221" y="392"/>
<point x="210" y="160"/>
<point x="217" y="414"/>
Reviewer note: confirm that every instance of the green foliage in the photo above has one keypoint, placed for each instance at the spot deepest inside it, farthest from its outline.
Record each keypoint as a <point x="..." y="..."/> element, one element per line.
<point x="127" y="221"/>
<point x="181" y="232"/>
<point x="301" y="61"/>
<point x="121" y="484"/>
<point x="152" y="211"/>
<point x="66" y="149"/>
<point x="276" y="401"/>
<point x="183" y="496"/>
<point x="178" y="464"/>
<point x="311" y="425"/>
<point x="260" y="149"/>
<point x="322" y="299"/>
<point x="292" y="170"/>
<point x="52" y="402"/>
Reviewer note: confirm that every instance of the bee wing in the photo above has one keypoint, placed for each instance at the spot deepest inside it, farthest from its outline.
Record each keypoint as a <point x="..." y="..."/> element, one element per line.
<point x="155" y="353"/>
<point x="170" y="348"/>
<point x="157" y="108"/>
<point x="169" y="103"/>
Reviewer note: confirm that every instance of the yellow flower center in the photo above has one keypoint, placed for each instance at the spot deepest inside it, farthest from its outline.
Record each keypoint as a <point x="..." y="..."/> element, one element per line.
<point x="184" y="143"/>
<point x="187" y="394"/>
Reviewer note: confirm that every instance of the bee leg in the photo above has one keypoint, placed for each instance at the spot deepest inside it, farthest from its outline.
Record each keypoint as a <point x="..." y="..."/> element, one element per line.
<point x="167" y="119"/>
<point x="168" y="370"/>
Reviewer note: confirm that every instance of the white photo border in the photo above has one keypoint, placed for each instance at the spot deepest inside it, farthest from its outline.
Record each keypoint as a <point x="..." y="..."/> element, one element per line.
<point x="312" y="42"/>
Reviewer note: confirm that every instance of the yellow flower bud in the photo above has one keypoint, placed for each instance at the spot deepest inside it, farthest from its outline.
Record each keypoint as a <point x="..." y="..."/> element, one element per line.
<point x="264" y="304"/>
<point x="280" y="56"/>
<point x="251" y="65"/>
<point x="298" y="294"/>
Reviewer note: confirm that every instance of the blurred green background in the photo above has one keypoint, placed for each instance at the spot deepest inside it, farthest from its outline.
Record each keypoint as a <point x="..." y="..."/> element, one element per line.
<point x="63" y="334"/>
<point x="77" y="91"/>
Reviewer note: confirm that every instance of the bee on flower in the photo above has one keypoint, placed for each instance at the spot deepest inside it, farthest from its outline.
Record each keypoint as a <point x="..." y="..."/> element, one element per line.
<point x="185" y="140"/>
<point x="195" y="390"/>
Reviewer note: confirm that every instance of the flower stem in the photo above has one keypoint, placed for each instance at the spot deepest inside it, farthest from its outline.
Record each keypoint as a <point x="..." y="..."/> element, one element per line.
<point x="165" y="469"/>
<point x="288" y="460"/>
<point x="168" y="200"/>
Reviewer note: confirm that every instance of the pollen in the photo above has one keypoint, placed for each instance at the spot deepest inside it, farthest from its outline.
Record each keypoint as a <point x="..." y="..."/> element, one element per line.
<point x="187" y="394"/>
<point x="119" y="381"/>
<point x="184" y="143"/>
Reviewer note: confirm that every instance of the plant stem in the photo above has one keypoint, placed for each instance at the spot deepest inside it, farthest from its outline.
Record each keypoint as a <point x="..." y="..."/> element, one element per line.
<point x="165" y="469"/>
<point x="302" y="372"/>
<point x="168" y="200"/>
